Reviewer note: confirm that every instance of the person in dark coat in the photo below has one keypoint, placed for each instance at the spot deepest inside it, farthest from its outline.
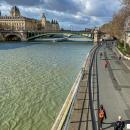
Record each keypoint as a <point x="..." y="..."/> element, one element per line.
<point x="120" y="57"/>
<point x="101" y="55"/>
<point x="119" y="125"/>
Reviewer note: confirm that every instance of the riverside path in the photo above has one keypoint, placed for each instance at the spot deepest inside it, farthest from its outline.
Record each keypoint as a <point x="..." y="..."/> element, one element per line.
<point x="114" y="86"/>
<point x="114" y="92"/>
<point x="99" y="85"/>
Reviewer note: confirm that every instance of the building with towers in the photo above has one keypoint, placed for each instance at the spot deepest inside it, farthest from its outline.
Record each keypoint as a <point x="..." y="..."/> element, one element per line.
<point x="17" y="22"/>
<point x="49" y="26"/>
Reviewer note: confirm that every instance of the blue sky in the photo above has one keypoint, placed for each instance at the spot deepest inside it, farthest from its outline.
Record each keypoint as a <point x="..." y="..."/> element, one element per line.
<point x="75" y="14"/>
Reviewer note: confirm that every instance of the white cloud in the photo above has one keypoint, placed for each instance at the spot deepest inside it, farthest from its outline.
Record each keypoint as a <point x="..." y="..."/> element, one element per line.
<point x="98" y="7"/>
<point x="80" y="13"/>
<point x="5" y="8"/>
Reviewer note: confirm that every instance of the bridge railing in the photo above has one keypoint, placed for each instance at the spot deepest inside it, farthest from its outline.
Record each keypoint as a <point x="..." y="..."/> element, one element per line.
<point x="33" y="35"/>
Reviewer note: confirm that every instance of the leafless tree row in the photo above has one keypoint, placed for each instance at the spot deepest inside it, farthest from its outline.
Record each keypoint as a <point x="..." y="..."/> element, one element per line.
<point x="116" y="26"/>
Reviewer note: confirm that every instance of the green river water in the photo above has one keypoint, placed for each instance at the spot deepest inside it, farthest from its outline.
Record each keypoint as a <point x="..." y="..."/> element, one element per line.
<point x="35" y="79"/>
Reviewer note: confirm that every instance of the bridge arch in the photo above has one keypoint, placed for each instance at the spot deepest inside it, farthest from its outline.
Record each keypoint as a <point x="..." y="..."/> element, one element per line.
<point x="13" y="37"/>
<point x="47" y="35"/>
<point x="1" y="37"/>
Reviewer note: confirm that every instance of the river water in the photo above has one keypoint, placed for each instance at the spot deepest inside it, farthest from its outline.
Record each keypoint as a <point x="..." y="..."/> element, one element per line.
<point x="35" y="80"/>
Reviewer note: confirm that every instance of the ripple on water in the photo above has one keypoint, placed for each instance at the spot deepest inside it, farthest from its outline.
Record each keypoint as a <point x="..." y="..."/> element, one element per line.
<point x="34" y="82"/>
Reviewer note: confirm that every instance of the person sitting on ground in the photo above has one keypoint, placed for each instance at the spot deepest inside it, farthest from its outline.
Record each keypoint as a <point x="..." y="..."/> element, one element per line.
<point x="101" y="115"/>
<point x="119" y="125"/>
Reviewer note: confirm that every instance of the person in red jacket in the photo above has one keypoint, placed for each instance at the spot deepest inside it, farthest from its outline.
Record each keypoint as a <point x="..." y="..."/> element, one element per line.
<point x="101" y="115"/>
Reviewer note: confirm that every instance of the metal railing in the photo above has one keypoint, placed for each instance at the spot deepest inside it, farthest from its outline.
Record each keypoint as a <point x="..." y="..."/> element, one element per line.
<point x="64" y="115"/>
<point x="94" y="64"/>
<point x="94" y="124"/>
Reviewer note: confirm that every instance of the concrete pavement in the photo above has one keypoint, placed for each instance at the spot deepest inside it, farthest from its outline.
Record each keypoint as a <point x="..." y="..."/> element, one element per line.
<point x="114" y="88"/>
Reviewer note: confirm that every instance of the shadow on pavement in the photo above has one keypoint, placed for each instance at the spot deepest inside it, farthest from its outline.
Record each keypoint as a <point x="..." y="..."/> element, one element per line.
<point x="112" y="124"/>
<point x="117" y="69"/>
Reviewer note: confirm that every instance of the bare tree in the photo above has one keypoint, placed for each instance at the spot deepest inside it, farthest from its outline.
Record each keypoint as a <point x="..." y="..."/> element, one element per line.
<point x="116" y="26"/>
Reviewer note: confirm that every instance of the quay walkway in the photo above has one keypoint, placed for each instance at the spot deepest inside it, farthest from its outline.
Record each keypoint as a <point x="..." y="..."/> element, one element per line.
<point x="98" y="85"/>
<point x="81" y="102"/>
<point x="114" y="87"/>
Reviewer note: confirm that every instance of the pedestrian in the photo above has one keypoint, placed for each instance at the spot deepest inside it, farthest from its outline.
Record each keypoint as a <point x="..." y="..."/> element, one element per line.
<point x="101" y="55"/>
<point x="120" y="57"/>
<point x="101" y="115"/>
<point x="119" y="125"/>
<point x="106" y="63"/>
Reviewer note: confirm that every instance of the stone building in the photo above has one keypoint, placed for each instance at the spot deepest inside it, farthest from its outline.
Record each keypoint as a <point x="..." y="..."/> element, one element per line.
<point x="48" y="26"/>
<point x="17" y="22"/>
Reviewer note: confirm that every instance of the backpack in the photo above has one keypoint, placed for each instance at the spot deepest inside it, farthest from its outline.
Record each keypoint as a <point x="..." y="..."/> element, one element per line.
<point x="101" y="114"/>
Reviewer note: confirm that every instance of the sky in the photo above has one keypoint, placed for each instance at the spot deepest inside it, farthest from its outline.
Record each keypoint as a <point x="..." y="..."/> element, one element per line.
<point x="71" y="14"/>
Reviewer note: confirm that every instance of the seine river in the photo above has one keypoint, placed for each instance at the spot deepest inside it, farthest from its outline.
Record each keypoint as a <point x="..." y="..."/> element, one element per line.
<point x="35" y="79"/>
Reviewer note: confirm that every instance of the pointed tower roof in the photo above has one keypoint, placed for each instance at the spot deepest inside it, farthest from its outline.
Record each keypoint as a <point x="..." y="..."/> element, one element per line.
<point x="15" y="11"/>
<point x="52" y="21"/>
<point x="56" y="22"/>
<point x="43" y="15"/>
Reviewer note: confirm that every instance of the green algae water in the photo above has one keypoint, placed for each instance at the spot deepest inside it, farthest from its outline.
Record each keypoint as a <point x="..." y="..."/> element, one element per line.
<point x="35" y="79"/>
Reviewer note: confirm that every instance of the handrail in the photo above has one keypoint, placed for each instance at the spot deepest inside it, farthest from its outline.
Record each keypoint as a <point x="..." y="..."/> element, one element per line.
<point x="97" y="80"/>
<point x="90" y="96"/>
<point x="59" y="122"/>
<point x="94" y="125"/>
<point x="87" y="58"/>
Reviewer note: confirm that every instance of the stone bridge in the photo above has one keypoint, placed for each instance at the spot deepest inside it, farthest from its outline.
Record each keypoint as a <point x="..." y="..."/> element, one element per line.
<point x="7" y="35"/>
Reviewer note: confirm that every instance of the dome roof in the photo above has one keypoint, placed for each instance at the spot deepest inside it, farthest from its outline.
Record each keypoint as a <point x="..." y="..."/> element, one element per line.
<point x="15" y="11"/>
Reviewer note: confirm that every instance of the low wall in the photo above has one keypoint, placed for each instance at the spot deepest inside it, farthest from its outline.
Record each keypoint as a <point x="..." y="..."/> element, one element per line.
<point x="122" y="55"/>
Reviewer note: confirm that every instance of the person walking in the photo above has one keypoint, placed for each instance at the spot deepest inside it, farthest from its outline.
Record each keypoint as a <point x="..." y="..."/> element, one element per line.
<point x="119" y="125"/>
<point x="101" y="115"/>
<point x="120" y="57"/>
<point x="101" y="55"/>
<point x="106" y="63"/>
